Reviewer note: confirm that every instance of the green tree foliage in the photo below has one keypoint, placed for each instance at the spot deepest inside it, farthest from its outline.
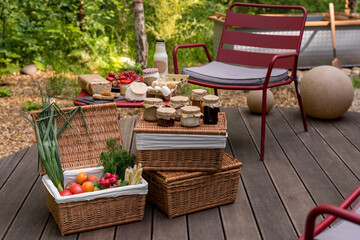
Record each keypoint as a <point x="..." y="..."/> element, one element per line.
<point x="47" y="32"/>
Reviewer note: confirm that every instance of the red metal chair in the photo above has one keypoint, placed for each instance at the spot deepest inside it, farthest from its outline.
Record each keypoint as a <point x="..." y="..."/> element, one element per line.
<point x="256" y="60"/>
<point x="342" y="230"/>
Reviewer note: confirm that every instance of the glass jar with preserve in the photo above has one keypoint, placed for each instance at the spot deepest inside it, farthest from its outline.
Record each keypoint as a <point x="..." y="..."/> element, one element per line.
<point x="196" y="96"/>
<point x="165" y="116"/>
<point x="211" y="105"/>
<point x="150" y="107"/>
<point x="190" y="116"/>
<point x="178" y="102"/>
<point x="150" y="75"/>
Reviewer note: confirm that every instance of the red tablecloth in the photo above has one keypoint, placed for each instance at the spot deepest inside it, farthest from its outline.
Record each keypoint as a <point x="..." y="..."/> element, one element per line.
<point x="119" y="104"/>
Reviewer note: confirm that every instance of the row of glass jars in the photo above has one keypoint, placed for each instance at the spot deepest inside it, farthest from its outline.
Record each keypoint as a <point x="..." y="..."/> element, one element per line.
<point x="179" y="110"/>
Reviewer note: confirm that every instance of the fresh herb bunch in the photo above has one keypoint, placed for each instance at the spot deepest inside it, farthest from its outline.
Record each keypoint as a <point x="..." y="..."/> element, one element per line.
<point x="116" y="159"/>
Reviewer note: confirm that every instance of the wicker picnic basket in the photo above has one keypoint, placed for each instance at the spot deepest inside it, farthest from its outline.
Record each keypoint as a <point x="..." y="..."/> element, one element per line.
<point x="205" y="159"/>
<point x="79" y="153"/>
<point x="179" y="193"/>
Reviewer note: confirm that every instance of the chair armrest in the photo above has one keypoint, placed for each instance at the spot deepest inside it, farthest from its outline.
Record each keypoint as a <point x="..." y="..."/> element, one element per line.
<point x="339" y="211"/>
<point x="176" y="69"/>
<point x="272" y="62"/>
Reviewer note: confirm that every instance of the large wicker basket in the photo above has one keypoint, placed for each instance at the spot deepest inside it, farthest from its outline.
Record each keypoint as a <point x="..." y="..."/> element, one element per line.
<point x="205" y="159"/>
<point x="179" y="193"/>
<point x="78" y="153"/>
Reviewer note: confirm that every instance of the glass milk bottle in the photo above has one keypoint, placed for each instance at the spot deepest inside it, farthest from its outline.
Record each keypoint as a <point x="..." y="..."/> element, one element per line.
<point x="160" y="57"/>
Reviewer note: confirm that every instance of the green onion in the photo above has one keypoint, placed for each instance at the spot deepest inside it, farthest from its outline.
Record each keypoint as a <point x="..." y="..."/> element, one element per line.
<point x="46" y="136"/>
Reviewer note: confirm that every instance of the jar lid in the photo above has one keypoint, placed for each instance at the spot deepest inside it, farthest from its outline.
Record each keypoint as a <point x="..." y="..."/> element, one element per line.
<point x="197" y="94"/>
<point x="165" y="113"/>
<point x="128" y="81"/>
<point x="153" y="102"/>
<point x="150" y="70"/>
<point x="138" y="88"/>
<point x="190" y="109"/>
<point x="179" y="99"/>
<point x="211" y="101"/>
<point x="160" y="40"/>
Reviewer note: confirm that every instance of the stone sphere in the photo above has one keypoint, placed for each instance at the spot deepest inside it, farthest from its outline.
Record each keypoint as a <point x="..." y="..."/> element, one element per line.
<point x="254" y="101"/>
<point x="327" y="92"/>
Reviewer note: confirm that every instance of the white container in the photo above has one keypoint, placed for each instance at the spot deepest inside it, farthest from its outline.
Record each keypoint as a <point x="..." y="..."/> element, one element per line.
<point x="161" y="58"/>
<point x="150" y="75"/>
<point x="136" y="92"/>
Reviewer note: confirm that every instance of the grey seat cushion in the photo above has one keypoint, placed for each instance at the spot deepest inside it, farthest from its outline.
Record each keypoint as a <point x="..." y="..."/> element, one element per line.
<point x="227" y="74"/>
<point x="342" y="230"/>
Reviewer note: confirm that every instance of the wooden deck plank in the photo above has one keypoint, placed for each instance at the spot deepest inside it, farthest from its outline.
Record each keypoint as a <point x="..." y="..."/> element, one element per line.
<point x="344" y="180"/>
<point x="349" y="129"/>
<point x="354" y="116"/>
<point x="205" y="225"/>
<point x="238" y="219"/>
<point x="9" y="163"/>
<point x="32" y="217"/>
<point x="52" y="232"/>
<point x="126" y="128"/>
<point x="137" y="230"/>
<point x="104" y="233"/>
<point x="341" y="145"/>
<point x="282" y="173"/>
<point x="315" y="180"/>
<point x="165" y="229"/>
<point x="13" y="194"/>
<point x="265" y="201"/>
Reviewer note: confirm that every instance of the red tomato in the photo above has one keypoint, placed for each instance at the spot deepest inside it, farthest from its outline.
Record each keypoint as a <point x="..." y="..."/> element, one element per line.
<point x="67" y="187"/>
<point x="76" y="189"/>
<point x="65" y="193"/>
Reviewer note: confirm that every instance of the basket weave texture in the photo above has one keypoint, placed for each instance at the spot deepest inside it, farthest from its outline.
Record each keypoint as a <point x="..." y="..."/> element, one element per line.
<point x="208" y="160"/>
<point x="76" y="153"/>
<point x="220" y="128"/>
<point x="179" y="193"/>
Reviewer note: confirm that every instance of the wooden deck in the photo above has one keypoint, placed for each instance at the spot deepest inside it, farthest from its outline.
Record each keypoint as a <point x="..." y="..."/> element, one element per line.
<point x="301" y="170"/>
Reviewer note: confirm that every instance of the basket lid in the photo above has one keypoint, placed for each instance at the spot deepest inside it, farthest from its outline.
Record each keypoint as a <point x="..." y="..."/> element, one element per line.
<point x="138" y="88"/>
<point x="78" y="152"/>
<point x="220" y="128"/>
<point x="228" y="163"/>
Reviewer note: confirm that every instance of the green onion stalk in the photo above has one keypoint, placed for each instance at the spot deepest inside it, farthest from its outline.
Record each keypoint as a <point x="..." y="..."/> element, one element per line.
<point x="46" y="136"/>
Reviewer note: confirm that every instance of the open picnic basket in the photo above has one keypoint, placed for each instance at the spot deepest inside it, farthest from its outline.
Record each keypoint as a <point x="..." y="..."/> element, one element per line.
<point x="80" y="153"/>
<point x="179" y="193"/>
<point x="201" y="148"/>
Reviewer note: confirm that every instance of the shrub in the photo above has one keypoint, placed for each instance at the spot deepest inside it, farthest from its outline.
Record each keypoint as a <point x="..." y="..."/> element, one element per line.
<point x="30" y="106"/>
<point x="5" y="92"/>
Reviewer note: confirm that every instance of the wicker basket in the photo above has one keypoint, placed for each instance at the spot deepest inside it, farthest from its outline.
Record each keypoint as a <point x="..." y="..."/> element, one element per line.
<point x="179" y="193"/>
<point x="182" y="159"/>
<point x="77" y="153"/>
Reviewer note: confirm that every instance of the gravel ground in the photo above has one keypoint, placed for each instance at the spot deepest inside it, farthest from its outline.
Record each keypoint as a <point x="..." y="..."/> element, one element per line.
<point x="16" y="133"/>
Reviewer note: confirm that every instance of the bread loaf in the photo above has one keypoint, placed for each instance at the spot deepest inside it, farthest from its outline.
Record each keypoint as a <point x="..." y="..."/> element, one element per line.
<point x="93" y="83"/>
<point x="99" y="96"/>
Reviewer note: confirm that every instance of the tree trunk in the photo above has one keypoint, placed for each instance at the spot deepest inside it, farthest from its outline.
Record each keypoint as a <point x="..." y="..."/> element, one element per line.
<point x="142" y="46"/>
<point x="81" y="16"/>
<point x="350" y="6"/>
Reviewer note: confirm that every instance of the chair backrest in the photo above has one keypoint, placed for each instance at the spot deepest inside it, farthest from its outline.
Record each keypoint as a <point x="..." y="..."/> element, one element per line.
<point x="254" y="39"/>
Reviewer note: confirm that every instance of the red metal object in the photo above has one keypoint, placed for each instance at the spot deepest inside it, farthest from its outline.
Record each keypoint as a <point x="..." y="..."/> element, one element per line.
<point x="334" y="211"/>
<point x="268" y="60"/>
<point x="119" y="104"/>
